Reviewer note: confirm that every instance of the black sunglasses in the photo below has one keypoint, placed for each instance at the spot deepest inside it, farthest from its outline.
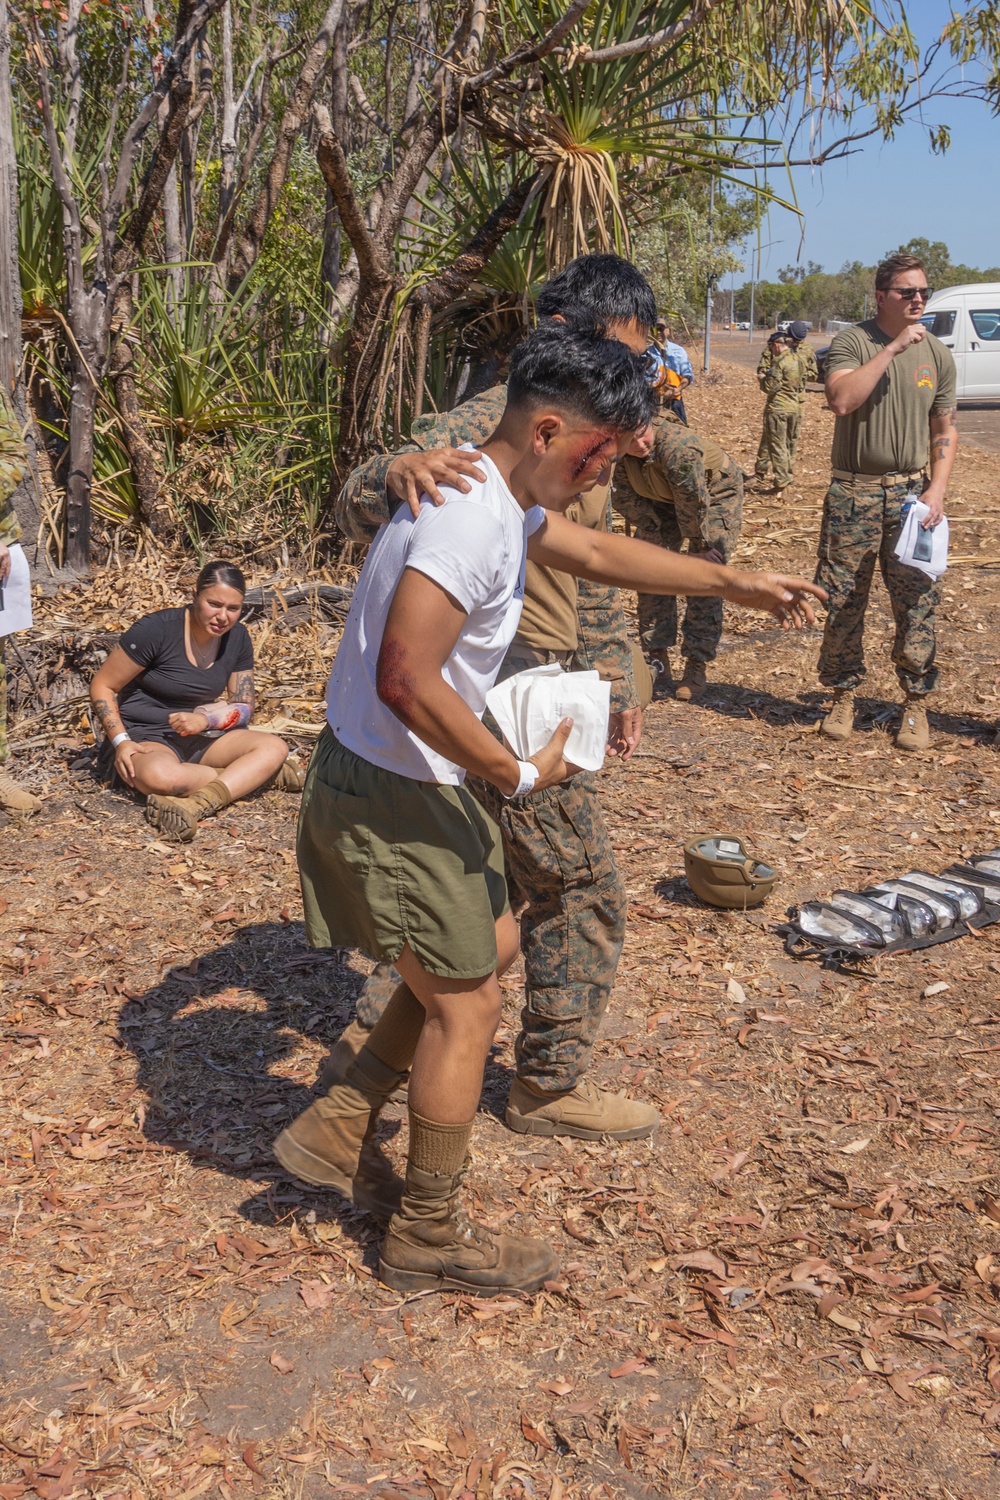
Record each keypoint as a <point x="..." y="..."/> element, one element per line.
<point x="909" y="292"/>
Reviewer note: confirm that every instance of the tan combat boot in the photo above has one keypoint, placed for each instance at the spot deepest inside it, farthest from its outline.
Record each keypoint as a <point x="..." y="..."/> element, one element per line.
<point x="14" y="798"/>
<point x="839" y="722"/>
<point x="431" y="1245"/>
<point x="331" y="1144"/>
<point x="914" y="731"/>
<point x="587" y="1112"/>
<point x="345" y="1050"/>
<point x="694" y="681"/>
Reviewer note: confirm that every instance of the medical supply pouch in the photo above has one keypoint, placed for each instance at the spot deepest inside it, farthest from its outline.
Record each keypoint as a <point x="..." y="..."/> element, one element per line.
<point x="911" y="911"/>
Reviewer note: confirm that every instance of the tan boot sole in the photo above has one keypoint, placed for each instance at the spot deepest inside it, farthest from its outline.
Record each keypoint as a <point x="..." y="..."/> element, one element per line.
<point x="424" y="1281"/>
<point x="535" y="1125"/>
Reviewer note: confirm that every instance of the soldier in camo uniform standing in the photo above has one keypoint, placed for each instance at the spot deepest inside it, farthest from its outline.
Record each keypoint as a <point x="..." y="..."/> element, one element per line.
<point x="557" y="848"/>
<point x="13" y="464"/>
<point x="891" y="386"/>
<point x="685" y="488"/>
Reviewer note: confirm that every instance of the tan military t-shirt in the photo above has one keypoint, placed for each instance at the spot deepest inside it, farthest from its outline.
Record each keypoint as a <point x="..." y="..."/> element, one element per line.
<point x="890" y="432"/>
<point x="549" y="620"/>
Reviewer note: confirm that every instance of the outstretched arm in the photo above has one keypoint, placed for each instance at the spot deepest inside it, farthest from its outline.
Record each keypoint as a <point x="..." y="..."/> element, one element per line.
<point x="619" y="560"/>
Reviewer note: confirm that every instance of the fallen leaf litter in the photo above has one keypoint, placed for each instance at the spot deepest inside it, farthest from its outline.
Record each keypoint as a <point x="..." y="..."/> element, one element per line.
<point x="792" y="1290"/>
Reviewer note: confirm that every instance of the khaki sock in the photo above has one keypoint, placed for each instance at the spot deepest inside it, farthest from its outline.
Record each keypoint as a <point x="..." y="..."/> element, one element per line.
<point x="213" y="797"/>
<point x="436" y="1148"/>
<point x="395" y="1035"/>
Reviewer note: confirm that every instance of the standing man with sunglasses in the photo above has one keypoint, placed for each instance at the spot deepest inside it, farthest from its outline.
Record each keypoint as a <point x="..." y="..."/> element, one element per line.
<point x="891" y="386"/>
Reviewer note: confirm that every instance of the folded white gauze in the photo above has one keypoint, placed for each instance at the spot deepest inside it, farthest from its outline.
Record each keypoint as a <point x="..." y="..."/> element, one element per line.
<point x="920" y="548"/>
<point x="529" y="706"/>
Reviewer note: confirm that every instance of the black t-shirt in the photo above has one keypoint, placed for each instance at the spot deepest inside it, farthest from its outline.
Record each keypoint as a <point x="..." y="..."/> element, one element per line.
<point x="168" y="683"/>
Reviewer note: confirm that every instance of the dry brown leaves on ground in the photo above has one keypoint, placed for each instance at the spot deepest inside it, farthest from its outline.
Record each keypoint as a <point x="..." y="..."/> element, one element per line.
<point x="793" y="1290"/>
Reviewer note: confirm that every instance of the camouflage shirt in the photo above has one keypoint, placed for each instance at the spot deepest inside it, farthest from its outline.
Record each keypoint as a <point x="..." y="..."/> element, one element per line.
<point x="764" y="364"/>
<point x="691" y="472"/>
<point x="785" y="382"/>
<point x="600" y="638"/>
<point x="807" y="358"/>
<point x="13" y="466"/>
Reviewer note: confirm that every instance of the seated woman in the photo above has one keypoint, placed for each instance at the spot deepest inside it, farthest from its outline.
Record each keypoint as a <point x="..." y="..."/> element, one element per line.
<point x="171" y="732"/>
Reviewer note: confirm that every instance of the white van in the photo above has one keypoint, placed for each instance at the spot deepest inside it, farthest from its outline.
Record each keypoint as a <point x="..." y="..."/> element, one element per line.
<point x="967" y="321"/>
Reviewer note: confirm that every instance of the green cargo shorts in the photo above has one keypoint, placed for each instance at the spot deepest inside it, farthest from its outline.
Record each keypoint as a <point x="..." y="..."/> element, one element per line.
<point x="387" y="862"/>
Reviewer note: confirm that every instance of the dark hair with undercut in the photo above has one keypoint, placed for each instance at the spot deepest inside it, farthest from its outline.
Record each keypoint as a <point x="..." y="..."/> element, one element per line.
<point x="895" y="265"/>
<point x="595" y="378"/>
<point x="219" y="572"/>
<point x="602" y="288"/>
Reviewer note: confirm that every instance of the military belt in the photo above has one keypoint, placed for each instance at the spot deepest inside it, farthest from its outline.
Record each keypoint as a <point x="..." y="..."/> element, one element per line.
<point x="533" y="657"/>
<point x="899" y="476"/>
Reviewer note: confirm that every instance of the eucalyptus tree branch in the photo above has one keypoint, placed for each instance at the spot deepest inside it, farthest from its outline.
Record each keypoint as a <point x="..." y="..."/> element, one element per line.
<point x="175" y="64"/>
<point x="366" y="109"/>
<point x="251" y="238"/>
<point x="467" y="265"/>
<point x="72" y="78"/>
<point x="532" y="51"/>
<point x="666" y="37"/>
<point x="373" y="263"/>
<point x="134" y="233"/>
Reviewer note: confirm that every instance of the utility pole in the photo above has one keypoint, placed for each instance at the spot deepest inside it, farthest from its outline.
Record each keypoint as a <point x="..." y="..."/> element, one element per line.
<point x="709" y="279"/>
<point x="753" y="292"/>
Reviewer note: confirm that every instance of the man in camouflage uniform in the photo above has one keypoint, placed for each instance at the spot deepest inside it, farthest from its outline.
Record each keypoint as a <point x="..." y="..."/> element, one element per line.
<point x="891" y="386"/>
<point x="558" y="853"/>
<point x="685" y="488"/>
<point x="13" y="463"/>
<point x="783" y="431"/>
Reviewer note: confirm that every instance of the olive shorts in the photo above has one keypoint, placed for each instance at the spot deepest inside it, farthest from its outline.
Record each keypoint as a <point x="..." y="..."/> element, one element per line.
<point x="387" y="862"/>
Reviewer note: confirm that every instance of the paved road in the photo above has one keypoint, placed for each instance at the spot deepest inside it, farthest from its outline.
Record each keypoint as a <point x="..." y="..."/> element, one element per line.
<point x="977" y="424"/>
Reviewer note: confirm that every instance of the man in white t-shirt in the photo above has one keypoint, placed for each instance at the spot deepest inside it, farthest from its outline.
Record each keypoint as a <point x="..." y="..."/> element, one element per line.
<point x="396" y="856"/>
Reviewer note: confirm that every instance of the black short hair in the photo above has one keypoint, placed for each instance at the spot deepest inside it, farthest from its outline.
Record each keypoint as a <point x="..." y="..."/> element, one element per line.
<point x="596" y="378"/>
<point x="604" y="288"/>
<point x="220" y="572"/>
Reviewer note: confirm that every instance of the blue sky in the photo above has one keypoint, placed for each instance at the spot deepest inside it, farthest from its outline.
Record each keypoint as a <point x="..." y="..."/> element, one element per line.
<point x="891" y="191"/>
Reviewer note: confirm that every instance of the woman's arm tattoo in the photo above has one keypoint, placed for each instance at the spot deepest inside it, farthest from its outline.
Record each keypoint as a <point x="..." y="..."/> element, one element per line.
<point x="243" y="691"/>
<point x="108" y="716"/>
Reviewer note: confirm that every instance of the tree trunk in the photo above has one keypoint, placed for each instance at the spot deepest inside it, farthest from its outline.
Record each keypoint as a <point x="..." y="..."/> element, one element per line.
<point x="143" y="461"/>
<point x="26" y="496"/>
<point x="82" y="411"/>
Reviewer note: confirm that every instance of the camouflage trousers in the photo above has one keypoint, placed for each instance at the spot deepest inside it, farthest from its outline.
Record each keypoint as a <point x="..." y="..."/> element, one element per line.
<point x="661" y="523"/>
<point x="778" y="442"/>
<point x="860" y="526"/>
<point x="571" y="902"/>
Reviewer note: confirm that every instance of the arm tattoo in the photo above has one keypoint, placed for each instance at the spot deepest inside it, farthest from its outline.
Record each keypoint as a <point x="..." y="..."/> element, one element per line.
<point x="108" y="716"/>
<point x="243" y="692"/>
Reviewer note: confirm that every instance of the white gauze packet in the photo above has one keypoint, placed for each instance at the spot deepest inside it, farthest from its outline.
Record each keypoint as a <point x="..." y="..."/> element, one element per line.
<point x="529" y="706"/>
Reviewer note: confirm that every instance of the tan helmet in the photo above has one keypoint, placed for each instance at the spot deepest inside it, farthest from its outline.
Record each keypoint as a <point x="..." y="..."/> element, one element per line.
<point x="722" y="871"/>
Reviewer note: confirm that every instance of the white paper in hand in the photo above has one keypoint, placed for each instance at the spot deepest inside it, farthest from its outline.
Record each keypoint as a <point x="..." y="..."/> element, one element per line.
<point x="529" y="706"/>
<point x="920" y="547"/>
<point x="15" y="594"/>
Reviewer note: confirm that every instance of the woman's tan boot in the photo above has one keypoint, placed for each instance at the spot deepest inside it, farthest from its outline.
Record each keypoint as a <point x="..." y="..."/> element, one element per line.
<point x="178" y="817"/>
<point x="14" y="798"/>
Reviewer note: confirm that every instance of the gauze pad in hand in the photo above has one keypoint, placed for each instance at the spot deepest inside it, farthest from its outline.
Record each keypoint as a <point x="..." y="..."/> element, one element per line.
<point x="529" y="706"/>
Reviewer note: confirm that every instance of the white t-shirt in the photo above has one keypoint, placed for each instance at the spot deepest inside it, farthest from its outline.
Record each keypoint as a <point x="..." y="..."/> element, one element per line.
<point x="475" y="547"/>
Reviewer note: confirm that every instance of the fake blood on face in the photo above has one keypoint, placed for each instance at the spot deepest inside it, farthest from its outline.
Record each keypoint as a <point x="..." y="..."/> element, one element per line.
<point x="587" y="450"/>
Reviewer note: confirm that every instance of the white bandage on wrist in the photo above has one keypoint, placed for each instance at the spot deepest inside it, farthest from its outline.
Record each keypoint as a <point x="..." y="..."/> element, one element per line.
<point x="529" y="775"/>
<point x="120" y="739"/>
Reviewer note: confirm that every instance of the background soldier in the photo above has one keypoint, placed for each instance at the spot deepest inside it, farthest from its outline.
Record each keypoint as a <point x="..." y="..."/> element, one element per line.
<point x="784" y="384"/>
<point x="774" y="346"/>
<point x="557" y="848"/>
<point x="684" y="488"/>
<point x="13" y="463"/>
<point x="891" y="385"/>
